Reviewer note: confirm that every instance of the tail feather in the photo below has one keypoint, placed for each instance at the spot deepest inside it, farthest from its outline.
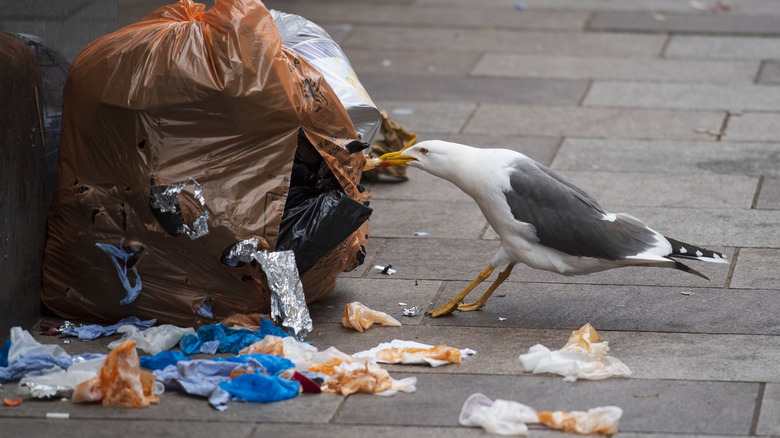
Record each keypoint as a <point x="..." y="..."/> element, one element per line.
<point x="684" y="250"/>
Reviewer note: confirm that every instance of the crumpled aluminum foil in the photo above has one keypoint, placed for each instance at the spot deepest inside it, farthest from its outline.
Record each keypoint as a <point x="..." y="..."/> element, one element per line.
<point x="242" y="252"/>
<point x="413" y="311"/>
<point x="67" y="325"/>
<point x="167" y="201"/>
<point x="288" y="303"/>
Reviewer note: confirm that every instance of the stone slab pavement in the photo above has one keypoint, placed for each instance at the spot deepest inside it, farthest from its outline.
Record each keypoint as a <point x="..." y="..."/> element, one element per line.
<point x="665" y="109"/>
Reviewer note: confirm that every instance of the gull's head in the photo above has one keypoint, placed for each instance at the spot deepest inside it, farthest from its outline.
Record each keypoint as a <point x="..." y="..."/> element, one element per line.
<point x="433" y="156"/>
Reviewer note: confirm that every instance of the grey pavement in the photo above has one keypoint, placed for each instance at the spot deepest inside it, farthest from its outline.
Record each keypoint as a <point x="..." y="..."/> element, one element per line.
<point x="665" y="109"/>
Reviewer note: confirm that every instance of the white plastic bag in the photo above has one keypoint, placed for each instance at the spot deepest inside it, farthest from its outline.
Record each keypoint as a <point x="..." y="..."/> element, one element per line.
<point x="153" y="340"/>
<point x="23" y="344"/>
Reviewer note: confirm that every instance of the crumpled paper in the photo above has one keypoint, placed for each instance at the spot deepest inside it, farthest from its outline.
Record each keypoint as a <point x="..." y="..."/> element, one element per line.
<point x="121" y="382"/>
<point x="583" y="357"/>
<point x="359" y="317"/>
<point x="410" y="352"/>
<point x="507" y="417"/>
<point x="350" y="377"/>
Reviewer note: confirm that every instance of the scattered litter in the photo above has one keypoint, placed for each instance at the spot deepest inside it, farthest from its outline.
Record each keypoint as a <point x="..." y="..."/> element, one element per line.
<point x="360" y="317"/>
<point x="288" y="303"/>
<point x="387" y="270"/>
<point x="121" y="382"/>
<point x="120" y="258"/>
<point x="12" y="401"/>
<point x="66" y="341"/>
<point x="289" y="347"/>
<point x="583" y="357"/>
<point x="153" y="340"/>
<point x="22" y="343"/>
<point x="350" y="377"/>
<point x="421" y="233"/>
<point x="501" y="318"/>
<point x="94" y="331"/>
<point x="403" y="111"/>
<point x="687" y="293"/>
<point x="250" y="321"/>
<point x="413" y="311"/>
<point x="163" y="359"/>
<point x="410" y="352"/>
<point x="506" y="417"/>
<point x="230" y="340"/>
<point x="57" y="415"/>
<point x="646" y="395"/>
<point x="401" y="304"/>
<point x="60" y="383"/>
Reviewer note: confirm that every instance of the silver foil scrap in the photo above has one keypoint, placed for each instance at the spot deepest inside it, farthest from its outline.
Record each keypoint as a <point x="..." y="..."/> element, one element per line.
<point x="413" y="311"/>
<point x="38" y="390"/>
<point x="288" y="303"/>
<point x="167" y="201"/>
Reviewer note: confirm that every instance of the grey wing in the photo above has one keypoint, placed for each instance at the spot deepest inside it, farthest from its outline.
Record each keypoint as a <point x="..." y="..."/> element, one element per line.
<point x="569" y="220"/>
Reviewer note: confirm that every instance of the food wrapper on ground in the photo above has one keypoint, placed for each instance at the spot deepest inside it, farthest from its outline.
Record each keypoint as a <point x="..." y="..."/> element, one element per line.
<point x="121" y="382"/>
<point x="60" y="383"/>
<point x="360" y="317"/>
<point x="184" y="136"/>
<point x="289" y="347"/>
<point x="583" y="357"/>
<point x="603" y="420"/>
<point x="154" y="339"/>
<point x="367" y="377"/>
<point x="410" y="352"/>
<point x="506" y="417"/>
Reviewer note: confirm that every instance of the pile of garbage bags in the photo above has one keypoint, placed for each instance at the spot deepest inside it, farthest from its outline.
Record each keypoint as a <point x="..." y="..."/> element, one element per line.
<point x="192" y="135"/>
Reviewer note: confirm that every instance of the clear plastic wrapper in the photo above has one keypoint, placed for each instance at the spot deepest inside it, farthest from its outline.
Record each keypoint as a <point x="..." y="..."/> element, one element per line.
<point x="602" y="420"/>
<point x="153" y="340"/>
<point x="410" y="352"/>
<point x="60" y="383"/>
<point x="583" y="357"/>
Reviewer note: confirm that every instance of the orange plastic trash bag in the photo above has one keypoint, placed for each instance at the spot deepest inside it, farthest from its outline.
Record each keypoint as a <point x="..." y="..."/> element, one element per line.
<point x="121" y="381"/>
<point x="188" y="138"/>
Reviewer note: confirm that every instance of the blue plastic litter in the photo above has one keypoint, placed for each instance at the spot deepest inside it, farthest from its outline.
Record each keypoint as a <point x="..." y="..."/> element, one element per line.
<point x="210" y="347"/>
<point x="4" y="354"/>
<point x="118" y="255"/>
<point x="94" y="331"/>
<point x="260" y="388"/>
<point x="163" y="359"/>
<point x="230" y="340"/>
<point x="269" y="364"/>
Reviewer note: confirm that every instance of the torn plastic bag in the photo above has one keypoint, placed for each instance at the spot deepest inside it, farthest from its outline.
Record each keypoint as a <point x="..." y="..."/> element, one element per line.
<point x="316" y="46"/>
<point x="94" y="331"/>
<point x="181" y="142"/>
<point x="501" y="417"/>
<point x="410" y="352"/>
<point x="60" y="383"/>
<point x="229" y="340"/>
<point x="153" y="340"/>
<point x="23" y="344"/>
<point x="162" y="359"/>
<point x="260" y="388"/>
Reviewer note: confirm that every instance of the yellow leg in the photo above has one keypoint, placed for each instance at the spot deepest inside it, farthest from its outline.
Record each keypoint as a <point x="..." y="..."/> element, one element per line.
<point x="503" y="275"/>
<point x="452" y="304"/>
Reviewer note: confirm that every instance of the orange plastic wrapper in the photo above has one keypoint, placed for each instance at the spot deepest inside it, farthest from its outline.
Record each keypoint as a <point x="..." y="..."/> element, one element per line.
<point x="12" y="401"/>
<point x="349" y="378"/>
<point x="602" y="420"/>
<point x="586" y="340"/>
<point x="121" y="381"/>
<point x="359" y="317"/>
<point x="206" y="106"/>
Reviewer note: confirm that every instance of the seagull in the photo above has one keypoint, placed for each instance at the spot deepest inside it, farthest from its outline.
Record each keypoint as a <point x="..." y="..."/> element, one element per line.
<point x="542" y="218"/>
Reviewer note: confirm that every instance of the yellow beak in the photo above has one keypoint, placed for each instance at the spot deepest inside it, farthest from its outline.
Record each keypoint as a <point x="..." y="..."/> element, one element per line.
<point x="395" y="159"/>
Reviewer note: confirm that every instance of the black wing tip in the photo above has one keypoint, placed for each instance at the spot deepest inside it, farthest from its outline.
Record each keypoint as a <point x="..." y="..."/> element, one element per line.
<point x="685" y="268"/>
<point x="687" y="251"/>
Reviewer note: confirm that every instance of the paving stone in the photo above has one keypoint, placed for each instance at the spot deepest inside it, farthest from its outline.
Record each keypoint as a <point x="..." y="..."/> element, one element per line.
<point x="471" y="89"/>
<point x="635" y="69"/>
<point x="593" y="122"/>
<point x="119" y="428"/>
<point x="468" y="16"/>
<point x="753" y="127"/>
<point x="680" y="406"/>
<point x="343" y="431"/>
<point x="672" y="157"/>
<point x="757" y="269"/>
<point x="770" y="73"/>
<point x="410" y="62"/>
<point x="600" y="5"/>
<point x="683" y="96"/>
<point x="768" y="421"/>
<point x="684" y="23"/>
<point x="435" y="259"/>
<point x="631" y="308"/>
<point x="501" y="41"/>
<point x="421" y="186"/>
<point x="383" y="296"/>
<point x="717" y="47"/>
<point x="428" y="117"/>
<point x="769" y="197"/>
<point x="440" y="219"/>
<point x="663" y="190"/>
